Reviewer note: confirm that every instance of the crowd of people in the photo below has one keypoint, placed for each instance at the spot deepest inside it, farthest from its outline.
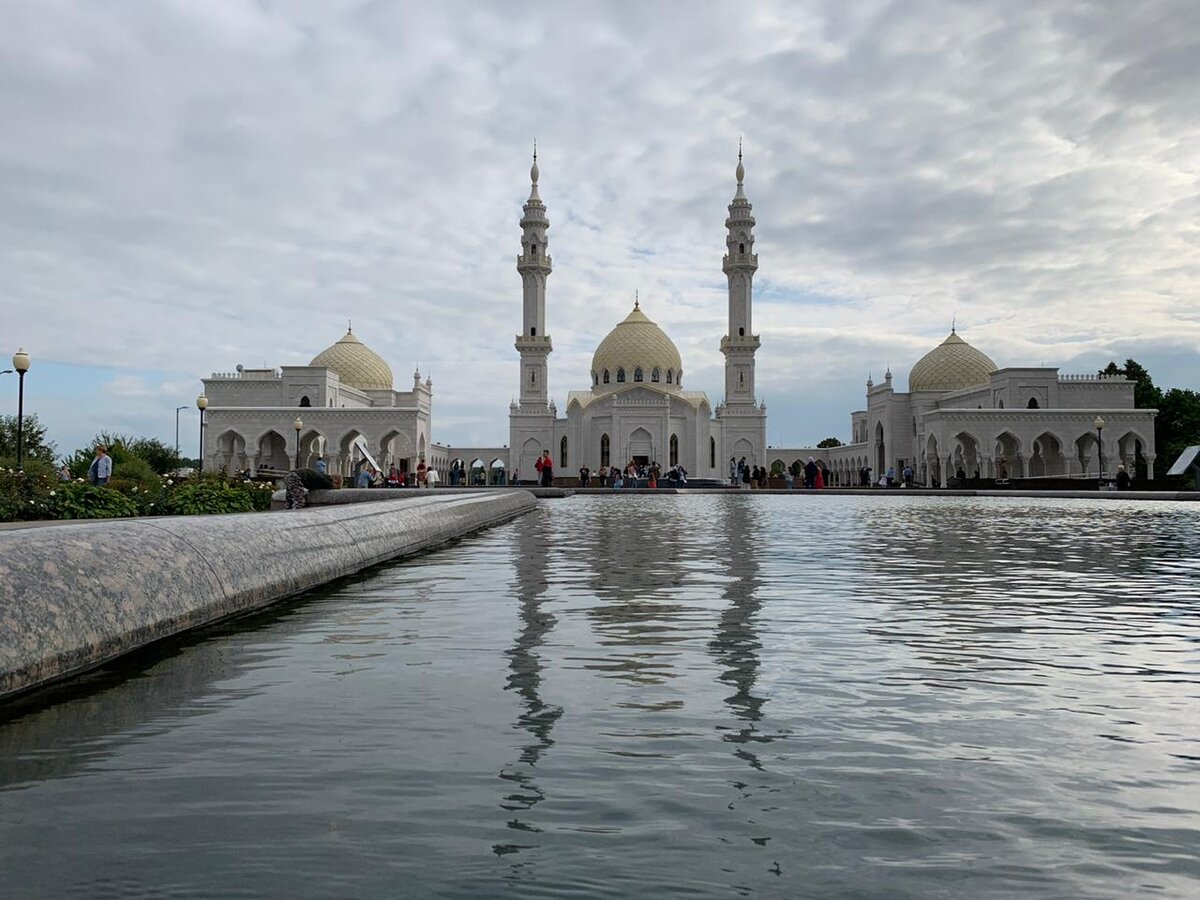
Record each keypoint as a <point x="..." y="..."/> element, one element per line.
<point x="634" y="474"/>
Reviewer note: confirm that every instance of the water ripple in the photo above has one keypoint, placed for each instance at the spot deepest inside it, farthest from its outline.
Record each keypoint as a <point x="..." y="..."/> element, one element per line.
<point x="684" y="696"/>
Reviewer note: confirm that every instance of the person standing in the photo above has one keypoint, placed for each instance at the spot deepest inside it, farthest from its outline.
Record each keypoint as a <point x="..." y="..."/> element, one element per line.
<point x="810" y="473"/>
<point x="733" y="471"/>
<point x="432" y="477"/>
<point x="421" y="470"/>
<point x="101" y="468"/>
<point x="891" y="476"/>
<point x="321" y="467"/>
<point x="818" y="479"/>
<point x="1123" y="479"/>
<point x="789" y="479"/>
<point x="908" y="476"/>
<point x="584" y="476"/>
<point x="547" y="470"/>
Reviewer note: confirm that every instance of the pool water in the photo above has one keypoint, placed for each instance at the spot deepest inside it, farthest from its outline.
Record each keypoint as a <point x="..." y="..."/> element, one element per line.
<point x="677" y="696"/>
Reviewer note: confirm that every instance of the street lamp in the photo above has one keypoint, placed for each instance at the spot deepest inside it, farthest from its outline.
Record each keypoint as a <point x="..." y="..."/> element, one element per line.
<point x="177" y="409"/>
<point x="298" y="424"/>
<point x="21" y="364"/>
<point x="202" y="405"/>
<point x="1099" y="423"/>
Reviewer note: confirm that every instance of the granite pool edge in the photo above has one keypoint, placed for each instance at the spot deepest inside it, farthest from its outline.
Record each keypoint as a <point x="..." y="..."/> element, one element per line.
<point x="78" y="596"/>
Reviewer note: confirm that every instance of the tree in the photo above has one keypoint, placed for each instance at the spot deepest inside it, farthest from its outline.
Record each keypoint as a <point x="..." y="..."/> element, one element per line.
<point x="33" y="439"/>
<point x="829" y="442"/>
<point x="123" y="447"/>
<point x="1145" y="394"/>
<point x="1177" y="425"/>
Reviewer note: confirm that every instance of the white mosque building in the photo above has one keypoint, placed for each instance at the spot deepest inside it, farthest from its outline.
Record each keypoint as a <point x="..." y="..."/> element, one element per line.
<point x="962" y="416"/>
<point x="636" y="408"/>
<point x="343" y="400"/>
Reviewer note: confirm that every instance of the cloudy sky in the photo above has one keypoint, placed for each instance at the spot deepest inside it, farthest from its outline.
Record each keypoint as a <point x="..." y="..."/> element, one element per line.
<point x="190" y="184"/>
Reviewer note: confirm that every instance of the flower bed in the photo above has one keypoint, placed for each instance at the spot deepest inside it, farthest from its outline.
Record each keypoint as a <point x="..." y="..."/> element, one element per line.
<point x="38" y="494"/>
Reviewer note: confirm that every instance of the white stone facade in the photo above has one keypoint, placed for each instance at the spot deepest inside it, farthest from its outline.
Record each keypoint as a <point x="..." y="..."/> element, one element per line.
<point x="249" y="423"/>
<point x="636" y="409"/>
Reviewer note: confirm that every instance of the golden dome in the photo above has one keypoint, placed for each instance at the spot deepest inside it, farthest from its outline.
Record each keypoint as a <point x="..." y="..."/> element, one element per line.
<point x="357" y="364"/>
<point x="636" y="343"/>
<point x="950" y="366"/>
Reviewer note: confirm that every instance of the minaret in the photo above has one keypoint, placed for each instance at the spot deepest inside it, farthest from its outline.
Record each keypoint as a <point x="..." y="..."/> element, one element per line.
<point x="740" y="263"/>
<point x="534" y="265"/>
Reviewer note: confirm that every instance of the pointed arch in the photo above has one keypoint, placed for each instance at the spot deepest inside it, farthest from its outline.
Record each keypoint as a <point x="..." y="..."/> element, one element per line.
<point x="604" y="450"/>
<point x="637" y="374"/>
<point x="606" y="378"/>
<point x="673" y="454"/>
<point x="620" y="376"/>
<point x="562" y="453"/>
<point x="655" y="375"/>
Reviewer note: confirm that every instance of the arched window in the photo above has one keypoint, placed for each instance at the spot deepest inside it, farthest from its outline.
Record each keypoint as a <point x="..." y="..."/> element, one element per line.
<point x="533" y="376"/>
<point x="606" y="376"/>
<point x="620" y="376"/>
<point x="670" y="373"/>
<point x="637" y="374"/>
<point x="674" y="450"/>
<point x="533" y="331"/>
<point x="741" y="378"/>
<point x="1001" y="404"/>
<point x="562" y="452"/>
<point x="533" y="249"/>
<point x="304" y="401"/>
<point x="741" y="248"/>
<point x="741" y="332"/>
<point x="604" y="449"/>
<point x="1033" y="404"/>
<point x="679" y="378"/>
<point x="712" y="452"/>
<point x="655" y="375"/>
<point x="595" y="378"/>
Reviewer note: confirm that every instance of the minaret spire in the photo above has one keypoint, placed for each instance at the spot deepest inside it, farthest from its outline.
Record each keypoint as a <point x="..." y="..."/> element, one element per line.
<point x="535" y="265"/>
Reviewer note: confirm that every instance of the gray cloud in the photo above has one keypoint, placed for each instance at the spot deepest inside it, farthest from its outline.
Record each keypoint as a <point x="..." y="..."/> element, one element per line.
<point x="190" y="185"/>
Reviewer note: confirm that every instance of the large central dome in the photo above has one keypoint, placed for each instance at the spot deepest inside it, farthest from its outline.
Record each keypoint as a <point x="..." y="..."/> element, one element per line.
<point x="357" y="365"/>
<point x="950" y="366"/>
<point x="636" y="350"/>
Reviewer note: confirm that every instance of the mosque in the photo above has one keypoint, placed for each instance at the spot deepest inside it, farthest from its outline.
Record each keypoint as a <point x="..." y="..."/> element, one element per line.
<point x="962" y="416"/>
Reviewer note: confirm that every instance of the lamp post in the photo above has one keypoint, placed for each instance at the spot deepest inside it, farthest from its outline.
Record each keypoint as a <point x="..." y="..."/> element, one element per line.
<point x="20" y="362"/>
<point x="202" y="405"/>
<point x="1099" y="423"/>
<point x="177" y="409"/>
<point x="298" y="424"/>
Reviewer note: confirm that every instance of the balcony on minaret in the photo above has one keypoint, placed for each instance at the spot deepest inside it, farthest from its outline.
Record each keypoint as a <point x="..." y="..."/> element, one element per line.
<point x="734" y="343"/>
<point x="536" y="260"/>
<point x="739" y="261"/>
<point x="533" y="343"/>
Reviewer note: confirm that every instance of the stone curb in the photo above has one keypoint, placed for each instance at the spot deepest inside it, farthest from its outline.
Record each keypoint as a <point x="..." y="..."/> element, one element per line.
<point x="77" y="596"/>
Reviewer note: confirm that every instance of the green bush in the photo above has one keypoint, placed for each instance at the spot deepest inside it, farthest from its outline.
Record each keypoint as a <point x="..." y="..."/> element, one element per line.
<point x="209" y="496"/>
<point x="134" y="472"/>
<point x="26" y="496"/>
<point x="73" y="500"/>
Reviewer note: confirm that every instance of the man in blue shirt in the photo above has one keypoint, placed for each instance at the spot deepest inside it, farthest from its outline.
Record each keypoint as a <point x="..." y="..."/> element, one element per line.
<point x="101" y="468"/>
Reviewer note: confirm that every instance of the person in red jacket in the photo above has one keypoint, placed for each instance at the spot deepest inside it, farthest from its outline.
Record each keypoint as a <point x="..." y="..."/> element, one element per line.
<point x="545" y="467"/>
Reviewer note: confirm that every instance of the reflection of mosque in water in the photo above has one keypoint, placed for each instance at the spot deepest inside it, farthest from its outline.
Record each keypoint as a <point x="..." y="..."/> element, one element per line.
<point x="640" y="613"/>
<point x="736" y="646"/>
<point x="525" y="666"/>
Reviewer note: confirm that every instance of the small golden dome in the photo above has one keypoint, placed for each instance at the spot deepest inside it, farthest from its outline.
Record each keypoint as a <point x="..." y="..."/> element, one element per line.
<point x="950" y="366"/>
<point x="636" y="343"/>
<point x="357" y="365"/>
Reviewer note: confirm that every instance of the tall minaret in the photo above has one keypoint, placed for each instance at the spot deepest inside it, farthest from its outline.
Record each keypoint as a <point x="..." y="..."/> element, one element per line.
<point x="534" y="265"/>
<point x="740" y="263"/>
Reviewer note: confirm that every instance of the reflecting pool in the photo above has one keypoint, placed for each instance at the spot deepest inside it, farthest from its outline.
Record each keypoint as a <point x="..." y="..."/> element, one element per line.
<point x="685" y="696"/>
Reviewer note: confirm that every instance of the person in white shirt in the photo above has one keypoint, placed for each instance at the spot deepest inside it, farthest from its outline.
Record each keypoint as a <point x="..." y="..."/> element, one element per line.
<point x="101" y="468"/>
<point x="431" y="477"/>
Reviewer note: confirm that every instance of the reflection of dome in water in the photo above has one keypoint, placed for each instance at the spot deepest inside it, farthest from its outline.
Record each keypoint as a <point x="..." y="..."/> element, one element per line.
<point x="357" y="364"/>
<point x="636" y="343"/>
<point x="950" y="366"/>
